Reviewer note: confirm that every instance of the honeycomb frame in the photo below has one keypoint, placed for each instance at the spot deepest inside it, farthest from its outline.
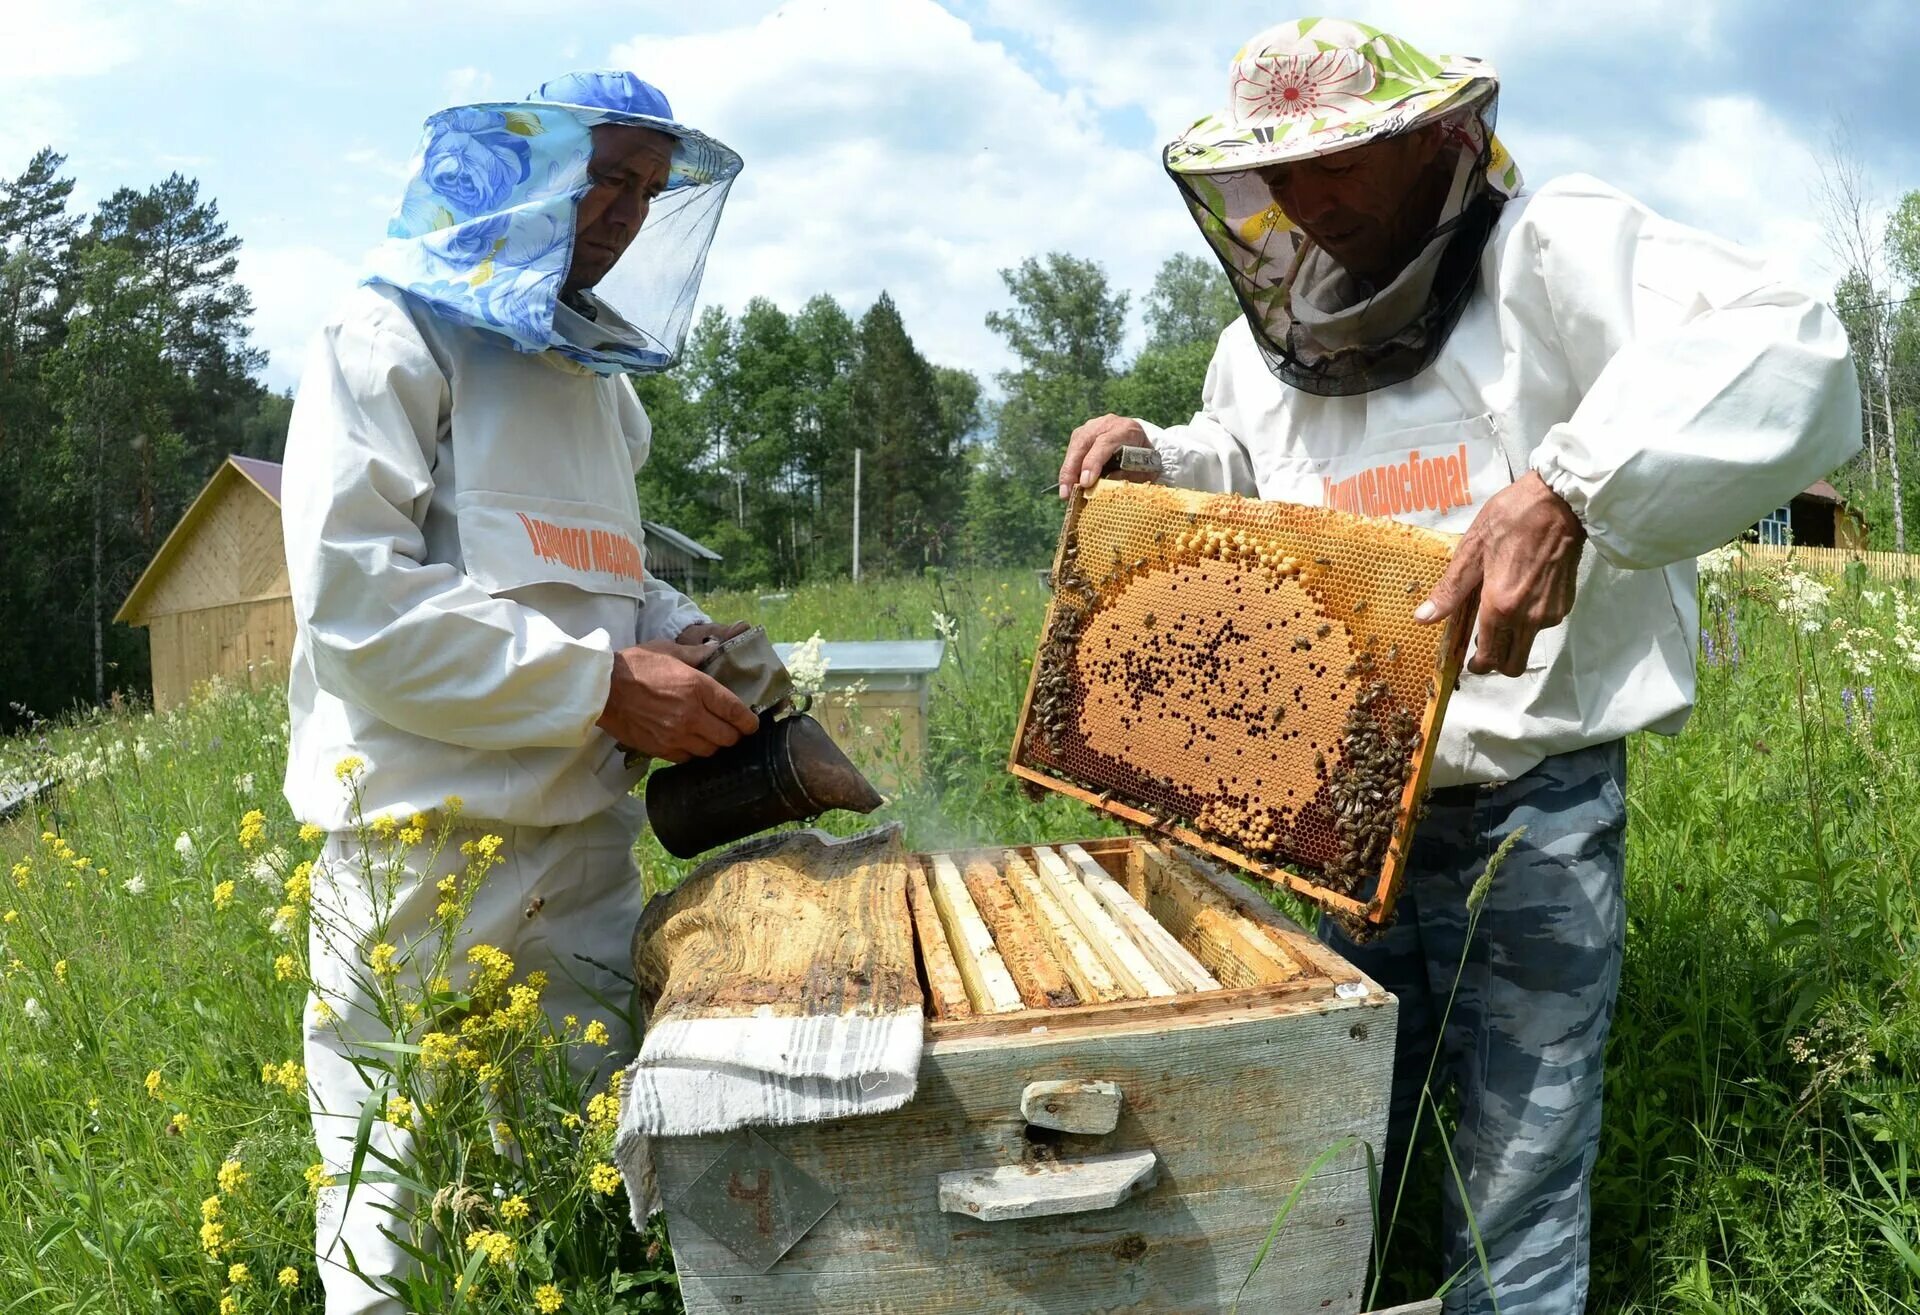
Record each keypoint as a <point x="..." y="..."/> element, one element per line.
<point x="1134" y="690"/>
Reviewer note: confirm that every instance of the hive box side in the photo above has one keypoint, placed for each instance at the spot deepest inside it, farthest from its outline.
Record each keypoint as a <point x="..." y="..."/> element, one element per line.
<point x="1236" y="1104"/>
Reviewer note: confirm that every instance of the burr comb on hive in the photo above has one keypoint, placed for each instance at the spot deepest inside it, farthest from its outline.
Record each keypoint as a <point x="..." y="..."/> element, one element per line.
<point x="1246" y="677"/>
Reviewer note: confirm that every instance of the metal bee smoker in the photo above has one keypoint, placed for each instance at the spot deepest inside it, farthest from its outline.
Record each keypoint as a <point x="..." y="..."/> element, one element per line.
<point x="789" y="770"/>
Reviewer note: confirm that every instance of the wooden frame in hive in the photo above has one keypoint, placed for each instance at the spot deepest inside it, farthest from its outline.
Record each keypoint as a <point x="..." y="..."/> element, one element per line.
<point x="1245" y="677"/>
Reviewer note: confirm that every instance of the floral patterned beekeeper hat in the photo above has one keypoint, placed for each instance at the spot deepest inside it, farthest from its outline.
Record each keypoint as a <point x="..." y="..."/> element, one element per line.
<point x="1311" y="87"/>
<point x="484" y="232"/>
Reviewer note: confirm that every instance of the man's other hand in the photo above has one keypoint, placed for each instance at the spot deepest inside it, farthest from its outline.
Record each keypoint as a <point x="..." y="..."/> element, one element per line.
<point x="662" y="706"/>
<point x="1521" y="558"/>
<point x="1092" y="446"/>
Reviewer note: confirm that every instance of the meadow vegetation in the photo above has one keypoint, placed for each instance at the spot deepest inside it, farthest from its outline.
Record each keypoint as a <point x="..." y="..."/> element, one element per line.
<point x="1762" y="1145"/>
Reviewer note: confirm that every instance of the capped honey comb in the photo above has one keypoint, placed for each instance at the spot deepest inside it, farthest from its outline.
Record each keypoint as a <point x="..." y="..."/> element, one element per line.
<point x="1246" y="677"/>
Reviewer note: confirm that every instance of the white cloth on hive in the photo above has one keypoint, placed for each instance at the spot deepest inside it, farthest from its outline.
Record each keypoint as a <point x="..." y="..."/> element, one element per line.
<point x="758" y="1017"/>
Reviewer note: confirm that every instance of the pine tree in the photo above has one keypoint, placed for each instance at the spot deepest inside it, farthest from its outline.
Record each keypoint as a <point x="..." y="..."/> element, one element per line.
<point x="912" y="487"/>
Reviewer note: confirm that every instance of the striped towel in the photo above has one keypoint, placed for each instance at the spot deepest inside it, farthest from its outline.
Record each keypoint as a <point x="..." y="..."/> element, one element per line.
<point x="778" y="986"/>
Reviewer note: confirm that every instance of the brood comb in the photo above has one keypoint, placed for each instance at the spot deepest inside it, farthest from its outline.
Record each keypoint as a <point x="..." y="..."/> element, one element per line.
<point x="1247" y="678"/>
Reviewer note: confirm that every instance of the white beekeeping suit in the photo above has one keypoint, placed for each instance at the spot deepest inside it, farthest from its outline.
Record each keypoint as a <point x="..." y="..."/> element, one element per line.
<point x="1597" y="349"/>
<point x="465" y="548"/>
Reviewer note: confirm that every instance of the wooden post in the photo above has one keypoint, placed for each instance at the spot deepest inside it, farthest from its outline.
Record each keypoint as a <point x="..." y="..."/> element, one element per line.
<point x="856" y="515"/>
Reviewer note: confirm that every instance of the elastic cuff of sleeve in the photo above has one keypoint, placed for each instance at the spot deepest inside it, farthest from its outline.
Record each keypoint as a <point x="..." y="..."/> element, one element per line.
<point x="1562" y="483"/>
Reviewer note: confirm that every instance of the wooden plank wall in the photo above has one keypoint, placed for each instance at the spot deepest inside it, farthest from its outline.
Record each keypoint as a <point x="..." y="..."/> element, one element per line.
<point x="251" y="641"/>
<point x="235" y="554"/>
<point x="1890" y="566"/>
<point x="878" y="708"/>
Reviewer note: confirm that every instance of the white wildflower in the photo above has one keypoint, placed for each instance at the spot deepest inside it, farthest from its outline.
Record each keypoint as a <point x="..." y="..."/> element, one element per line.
<point x="807" y="667"/>
<point x="1803" y="600"/>
<point x="33" y="1011"/>
<point x="1872" y="597"/>
<point x="282" y="924"/>
<point x="945" y="626"/>
<point x="134" y="885"/>
<point x="183" y="846"/>
<point x="1716" y="570"/>
<point x="267" y="868"/>
<point x="243" y="783"/>
<point x="141" y="749"/>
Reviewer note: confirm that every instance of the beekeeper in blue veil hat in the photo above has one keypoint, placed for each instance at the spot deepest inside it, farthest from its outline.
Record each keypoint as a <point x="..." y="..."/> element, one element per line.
<point x="479" y="639"/>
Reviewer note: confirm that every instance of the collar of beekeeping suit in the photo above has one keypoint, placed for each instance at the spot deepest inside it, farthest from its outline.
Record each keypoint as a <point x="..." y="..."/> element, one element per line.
<point x="1308" y="89"/>
<point x="484" y="234"/>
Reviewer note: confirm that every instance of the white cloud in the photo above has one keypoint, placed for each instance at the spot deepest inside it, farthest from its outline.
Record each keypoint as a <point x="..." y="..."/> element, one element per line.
<point x="890" y="147"/>
<point x="47" y="39"/>
<point x="293" y="287"/>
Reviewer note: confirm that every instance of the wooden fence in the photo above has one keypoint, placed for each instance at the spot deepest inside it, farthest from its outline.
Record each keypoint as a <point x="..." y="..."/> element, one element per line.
<point x="1880" y="565"/>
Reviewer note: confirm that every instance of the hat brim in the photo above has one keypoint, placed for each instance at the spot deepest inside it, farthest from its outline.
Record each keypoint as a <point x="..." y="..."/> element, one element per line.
<point x="1216" y="144"/>
<point x="698" y="159"/>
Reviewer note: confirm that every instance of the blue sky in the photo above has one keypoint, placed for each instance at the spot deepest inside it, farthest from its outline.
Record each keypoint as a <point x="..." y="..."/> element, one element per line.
<point x="919" y="147"/>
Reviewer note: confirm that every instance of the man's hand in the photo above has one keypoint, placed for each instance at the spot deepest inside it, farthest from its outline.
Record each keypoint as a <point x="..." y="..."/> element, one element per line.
<point x="1520" y="557"/>
<point x="1092" y="446"/>
<point x="660" y="705"/>
<point x="711" y="632"/>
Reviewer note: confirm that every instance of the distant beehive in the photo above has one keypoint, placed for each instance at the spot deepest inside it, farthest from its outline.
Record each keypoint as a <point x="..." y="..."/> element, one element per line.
<point x="1245" y="676"/>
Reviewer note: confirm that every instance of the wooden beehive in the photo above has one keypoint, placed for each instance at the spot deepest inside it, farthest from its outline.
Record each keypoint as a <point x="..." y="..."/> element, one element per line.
<point x="1131" y="1063"/>
<point x="1245" y="677"/>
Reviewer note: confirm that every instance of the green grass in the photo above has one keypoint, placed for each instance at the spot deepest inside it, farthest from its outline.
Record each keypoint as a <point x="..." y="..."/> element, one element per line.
<point x="1763" y="1094"/>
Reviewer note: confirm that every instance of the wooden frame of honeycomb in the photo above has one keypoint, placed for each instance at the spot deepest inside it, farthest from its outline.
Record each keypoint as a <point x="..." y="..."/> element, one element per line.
<point x="1246" y="678"/>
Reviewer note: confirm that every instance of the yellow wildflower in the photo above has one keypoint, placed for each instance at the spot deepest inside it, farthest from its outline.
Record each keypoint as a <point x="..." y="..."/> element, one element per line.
<point x="570" y="1022"/>
<point x="60" y="970"/>
<point x="324" y="1013"/>
<point x="299" y="883"/>
<point x="410" y="1011"/>
<point x="514" y="1209"/>
<point x="381" y="960"/>
<point x="308" y="834"/>
<point x="238" y="1275"/>
<point x="522" y="1008"/>
<point x="179" y="1121"/>
<point x="491" y="968"/>
<point x="153" y="1085"/>
<point x="223" y="895"/>
<point x="210" y="1210"/>
<point x="605" y="1179"/>
<point x="537" y="979"/>
<point x="400" y="1113"/>
<point x="318" y="1177"/>
<point x="488" y="1073"/>
<point x="486" y="847"/>
<point x="570" y="1120"/>
<point x="596" y="1033"/>
<point x="453" y="803"/>
<point x="12" y="916"/>
<point x="437" y="1049"/>
<point x="232" y="1176"/>
<point x="498" y="1247"/>
<point x="503" y="1133"/>
<point x="21" y="871"/>
<point x="603" y="1112"/>
<point x="440" y="986"/>
<point x="229" y="1304"/>
<point x="14" y="966"/>
<point x="253" y="828"/>
<point x="547" y="1299"/>
<point x="289" y="1077"/>
<point x="285" y="968"/>
<point x="213" y="1238"/>
<point x="288" y="1277"/>
<point x="350" y="766"/>
<point x="446" y="884"/>
<point x="284" y="919"/>
<point x="384" y="827"/>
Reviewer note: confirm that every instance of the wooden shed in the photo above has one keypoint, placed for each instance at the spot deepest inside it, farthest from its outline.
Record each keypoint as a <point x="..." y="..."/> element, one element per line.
<point x="1816" y="518"/>
<point x="214" y="599"/>
<point x="684" y="563"/>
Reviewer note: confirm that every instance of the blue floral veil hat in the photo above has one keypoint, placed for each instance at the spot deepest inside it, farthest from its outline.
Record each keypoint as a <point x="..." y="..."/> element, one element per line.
<point x="484" y="232"/>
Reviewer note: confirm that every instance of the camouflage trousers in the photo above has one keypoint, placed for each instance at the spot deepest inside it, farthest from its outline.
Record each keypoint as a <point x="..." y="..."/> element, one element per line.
<point x="1524" y="1041"/>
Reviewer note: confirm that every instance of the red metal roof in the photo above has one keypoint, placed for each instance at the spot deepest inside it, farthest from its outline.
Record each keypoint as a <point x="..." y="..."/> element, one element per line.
<point x="264" y="473"/>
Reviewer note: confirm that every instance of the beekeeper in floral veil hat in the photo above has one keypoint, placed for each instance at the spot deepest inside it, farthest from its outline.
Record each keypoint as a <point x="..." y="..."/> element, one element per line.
<point x="479" y="639"/>
<point x="1590" y="395"/>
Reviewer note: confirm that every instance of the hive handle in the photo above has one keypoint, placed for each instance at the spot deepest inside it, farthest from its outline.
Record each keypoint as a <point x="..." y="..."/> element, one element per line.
<point x="1081" y="1105"/>
<point x="1058" y="1187"/>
